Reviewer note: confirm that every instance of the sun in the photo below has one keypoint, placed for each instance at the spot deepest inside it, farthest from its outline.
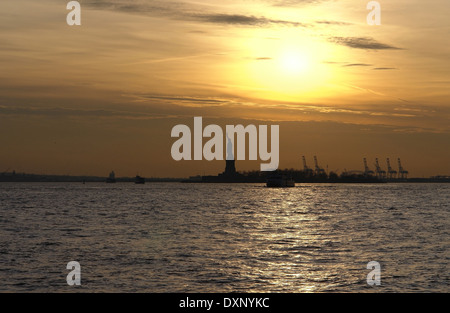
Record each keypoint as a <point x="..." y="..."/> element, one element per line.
<point x="285" y="69"/>
<point x="294" y="62"/>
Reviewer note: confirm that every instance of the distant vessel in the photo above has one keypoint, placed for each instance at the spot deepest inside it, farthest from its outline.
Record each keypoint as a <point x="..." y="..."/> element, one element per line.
<point x="139" y="180"/>
<point x="279" y="181"/>
<point x="112" y="178"/>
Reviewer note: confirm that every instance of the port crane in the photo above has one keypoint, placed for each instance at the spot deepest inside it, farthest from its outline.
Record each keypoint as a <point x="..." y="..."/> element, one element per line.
<point x="308" y="171"/>
<point x="402" y="173"/>
<point x="391" y="172"/>
<point x="319" y="170"/>
<point x="381" y="174"/>
<point x="367" y="170"/>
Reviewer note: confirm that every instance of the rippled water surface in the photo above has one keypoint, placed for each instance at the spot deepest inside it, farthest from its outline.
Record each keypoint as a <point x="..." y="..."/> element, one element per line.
<point x="170" y="237"/>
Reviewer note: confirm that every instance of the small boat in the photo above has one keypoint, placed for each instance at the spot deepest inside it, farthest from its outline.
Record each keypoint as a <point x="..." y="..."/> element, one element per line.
<point x="279" y="181"/>
<point x="112" y="178"/>
<point x="139" y="180"/>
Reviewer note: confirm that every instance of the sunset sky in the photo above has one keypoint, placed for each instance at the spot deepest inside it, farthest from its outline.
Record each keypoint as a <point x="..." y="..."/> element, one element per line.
<point x="85" y="100"/>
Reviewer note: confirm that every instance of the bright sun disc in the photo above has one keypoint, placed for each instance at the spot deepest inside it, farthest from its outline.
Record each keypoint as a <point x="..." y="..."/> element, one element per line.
<point x="294" y="62"/>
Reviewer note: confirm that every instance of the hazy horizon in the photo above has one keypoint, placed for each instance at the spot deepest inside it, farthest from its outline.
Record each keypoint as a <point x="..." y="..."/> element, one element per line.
<point x="85" y="100"/>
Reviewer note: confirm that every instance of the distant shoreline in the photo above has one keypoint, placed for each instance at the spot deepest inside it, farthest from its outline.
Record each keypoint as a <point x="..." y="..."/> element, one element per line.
<point x="30" y="178"/>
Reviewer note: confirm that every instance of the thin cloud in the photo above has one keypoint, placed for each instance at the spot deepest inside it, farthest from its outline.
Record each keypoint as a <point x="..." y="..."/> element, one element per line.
<point x="171" y="59"/>
<point x="332" y="62"/>
<point x="57" y="112"/>
<point x="184" y="100"/>
<point x="293" y="3"/>
<point x="384" y="68"/>
<point x="338" y="23"/>
<point x="243" y="20"/>
<point x="189" y="12"/>
<point x="366" y="43"/>
<point x="197" y="32"/>
<point x="343" y="64"/>
<point x="356" y="64"/>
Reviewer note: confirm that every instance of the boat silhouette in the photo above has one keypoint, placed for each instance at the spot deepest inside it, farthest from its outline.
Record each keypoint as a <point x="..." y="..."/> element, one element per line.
<point x="139" y="180"/>
<point x="279" y="181"/>
<point x="112" y="178"/>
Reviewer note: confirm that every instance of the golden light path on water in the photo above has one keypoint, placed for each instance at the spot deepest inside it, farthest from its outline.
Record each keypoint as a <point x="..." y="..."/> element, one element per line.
<point x="177" y="237"/>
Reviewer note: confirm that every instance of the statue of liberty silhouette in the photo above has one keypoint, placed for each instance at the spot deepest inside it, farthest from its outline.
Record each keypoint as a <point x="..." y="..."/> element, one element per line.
<point x="230" y="155"/>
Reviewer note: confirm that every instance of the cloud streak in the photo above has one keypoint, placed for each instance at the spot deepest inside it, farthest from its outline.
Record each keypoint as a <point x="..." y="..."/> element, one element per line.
<point x="263" y="59"/>
<point x="189" y="12"/>
<point x="57" y="112"/>
<point x="294" y="3"/>
<point x="243" y="20"/>
<point x="384" y="68"/>
<point x="365" y="43"/>
<point x="338" y="23"/>
<point x="356" y="64"/>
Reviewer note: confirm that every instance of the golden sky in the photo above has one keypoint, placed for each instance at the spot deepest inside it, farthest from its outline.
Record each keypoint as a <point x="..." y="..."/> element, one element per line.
<point x="104" y="95"/>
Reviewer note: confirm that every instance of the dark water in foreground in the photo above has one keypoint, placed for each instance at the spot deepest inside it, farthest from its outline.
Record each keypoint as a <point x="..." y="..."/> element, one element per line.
<point x="173" y="237"/>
